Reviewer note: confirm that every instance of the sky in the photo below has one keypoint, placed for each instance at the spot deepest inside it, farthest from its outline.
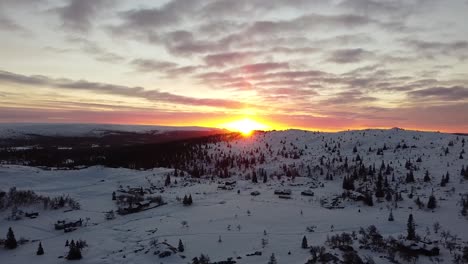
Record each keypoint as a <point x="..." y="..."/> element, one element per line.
<point x="321" y="65"/>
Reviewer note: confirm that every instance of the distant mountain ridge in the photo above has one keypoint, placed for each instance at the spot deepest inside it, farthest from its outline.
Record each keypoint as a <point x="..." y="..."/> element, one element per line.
<point x="15" y="130"/>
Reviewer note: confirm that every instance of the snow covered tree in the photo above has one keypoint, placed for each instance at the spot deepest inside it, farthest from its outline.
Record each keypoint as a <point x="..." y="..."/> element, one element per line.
<point x="432" y="203"/>
<point x="379" y="192"/>
<point x="40" y="250"/>
<point x="254" y="177"/>
<point x="181" y="247"/>
<point x="426" y="177"/>
<point x="168" y="180"/>
<point x="304" y="242"/>
<point x="204" y="259"/>
<point x="465" y="254"/>
<point x="272" y="259"/>
<point x="390" y="216"/>
<point x="411" y="228"/>
<point x="409" y="177"/>
<point x="10" y="242"/>
<point x="187" y="200"/>
<point x="74" y="252"/>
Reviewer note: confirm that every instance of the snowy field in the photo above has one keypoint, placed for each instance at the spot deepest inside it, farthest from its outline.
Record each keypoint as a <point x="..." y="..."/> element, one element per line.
<point x="233" y="223"/>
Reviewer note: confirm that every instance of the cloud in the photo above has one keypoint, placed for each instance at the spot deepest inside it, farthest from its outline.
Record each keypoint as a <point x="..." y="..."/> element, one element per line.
<point x="89" y="47"/>
<point x="454" y="93"/>
<point x="79" y="15"/>
<point x="349" y="55"/>
<point x="104" y="88"/>
<point x="228" y="58"/>
<point x="262" y="67"/>
<point x="349" y="97"/>
<point x="167" y="15"/>
<point x="432" y="49"/>
<point x="8" y="24"/>
<point x="146" y="65"/>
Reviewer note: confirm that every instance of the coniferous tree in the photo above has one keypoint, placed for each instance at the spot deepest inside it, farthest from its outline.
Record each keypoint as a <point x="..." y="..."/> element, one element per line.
<point x="426" y="177"/>
<point x="75" y="252"/>
<point x="411" y="228"/>
<point x="181" y="247"/>
<point x="168" y="180"/>
<point x="204" y="259"/>
<point x="432" y="203"/>
<point x="390" y="217"/>
<point x="67" y="243"/>
<point x="272" y="259"/>
<point x="465" y="254"/>
<point x="410" y="177"/>
<point x="265" y="179"/>
<point x="40" y="250"/>
<point x="189" y="200"/>
<point x="254" y="177"/>
<point x="304" y="242"/>
<point x="10" y="242"/>
<point x="379" y="187"/>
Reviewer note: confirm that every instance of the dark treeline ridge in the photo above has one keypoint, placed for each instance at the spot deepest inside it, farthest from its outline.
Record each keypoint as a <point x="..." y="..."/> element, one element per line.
<point x="173" y="154"/>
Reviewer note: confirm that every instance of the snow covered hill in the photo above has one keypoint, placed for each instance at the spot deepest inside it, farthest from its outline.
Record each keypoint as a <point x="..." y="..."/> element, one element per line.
<point x="90" y="130"/>
<point x="236" y="213"/>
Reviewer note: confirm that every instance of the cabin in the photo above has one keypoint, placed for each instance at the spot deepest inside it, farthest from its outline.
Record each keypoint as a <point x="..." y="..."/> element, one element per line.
<point x="283" y="192"/>
<point x="32" y="215"/>
<point x="62" y="225"/>
<point x="307" y="193"/>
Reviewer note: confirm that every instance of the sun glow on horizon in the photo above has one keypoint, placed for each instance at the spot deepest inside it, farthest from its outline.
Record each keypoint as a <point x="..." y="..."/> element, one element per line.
<point x="245" y="126"/>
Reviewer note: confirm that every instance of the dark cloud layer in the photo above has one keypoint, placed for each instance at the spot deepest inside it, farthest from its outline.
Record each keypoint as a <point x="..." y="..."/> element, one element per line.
<point x="79" y="14"/>
<point x="104" y="88"/>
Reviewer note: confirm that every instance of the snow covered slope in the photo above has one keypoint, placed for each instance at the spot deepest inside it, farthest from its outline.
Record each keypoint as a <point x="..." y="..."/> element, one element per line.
<point x="226" y="221"/>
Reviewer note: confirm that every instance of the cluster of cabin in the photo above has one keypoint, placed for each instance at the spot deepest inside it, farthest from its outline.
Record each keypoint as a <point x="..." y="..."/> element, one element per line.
<point x="68" y="226"/>
<point x="227" y="185"/>
<point x="133" y="200"/>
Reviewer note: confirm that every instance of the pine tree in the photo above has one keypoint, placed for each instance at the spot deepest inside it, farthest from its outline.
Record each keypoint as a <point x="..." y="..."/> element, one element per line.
<point x="67" y="243"/>
<point x="204" y="259"/>
<point x="390" y="217"/>
<point x="114" y="196"/>
<point x="411" y="229"/>
<point x="379" y="187"/>
<point x="40" y="250"/>
<point x="426" y="177"/>
<point x="168" y="180"/>
<point x="272" y="259"/>
<point x="190" y="201"/>
<point x="254" y="177"/>
<point x="410" y="177"/>
<point x="10" y="242"/>
<point x="74" y="252"/>
<point x="432" y="203"/>
<point x="181" y="247"/>
<point x="304" y="242"/>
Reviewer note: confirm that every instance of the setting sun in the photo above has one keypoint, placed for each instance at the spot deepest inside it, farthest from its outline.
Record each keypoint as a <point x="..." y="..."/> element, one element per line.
<point x="245" y="126"/>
